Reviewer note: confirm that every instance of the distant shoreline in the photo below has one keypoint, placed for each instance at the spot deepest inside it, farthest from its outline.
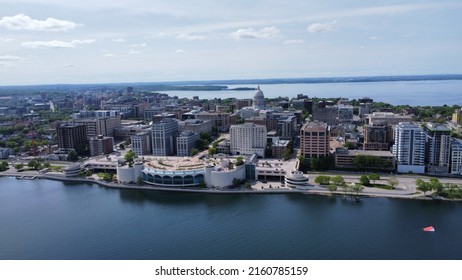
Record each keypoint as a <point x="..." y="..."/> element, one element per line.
<point x="201" y="85"/>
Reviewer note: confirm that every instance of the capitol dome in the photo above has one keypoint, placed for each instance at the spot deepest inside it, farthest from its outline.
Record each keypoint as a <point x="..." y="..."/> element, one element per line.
<point x="259" y="99"/>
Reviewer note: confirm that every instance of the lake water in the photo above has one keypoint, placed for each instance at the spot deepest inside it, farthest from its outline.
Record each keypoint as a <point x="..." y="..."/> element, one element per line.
<point x="44" y="219"/>
<point x="422" y="93"/>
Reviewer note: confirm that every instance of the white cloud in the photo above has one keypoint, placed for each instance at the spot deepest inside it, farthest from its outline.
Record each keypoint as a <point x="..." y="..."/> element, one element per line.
<point x="138" y="45"/>
<point x="179" y="51"/>
<point x="56" y="44"/>
<point x="10" y="58"/>
<point x="23" y="22"/>
<point x="293" y="42"/>
<point x="250" y="33"/>
<point x="110" y="55"/>
<point x="119" y="40"/>
<point x="71" y="65"/>
<point x="375" y="38"/>
<point x="133" y="52"/>
<point x="320" y="27"/>
<point x="83" y="42"/>
<point x="6" y="40"/>
<point x="189" y="37"/>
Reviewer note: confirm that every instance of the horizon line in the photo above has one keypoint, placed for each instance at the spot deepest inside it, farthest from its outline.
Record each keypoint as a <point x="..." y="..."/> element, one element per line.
<point x="294" y="80"/>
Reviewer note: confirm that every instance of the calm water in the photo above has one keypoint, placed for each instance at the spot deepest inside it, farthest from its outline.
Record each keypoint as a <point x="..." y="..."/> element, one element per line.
<point x="43" y="219"/>
<point x="422" y="93"/>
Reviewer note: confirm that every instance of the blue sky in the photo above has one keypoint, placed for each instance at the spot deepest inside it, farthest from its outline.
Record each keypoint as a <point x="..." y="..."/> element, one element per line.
<point x="55" y="41"/>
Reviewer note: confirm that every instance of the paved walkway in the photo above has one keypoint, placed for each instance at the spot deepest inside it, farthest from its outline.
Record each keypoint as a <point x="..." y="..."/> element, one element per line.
<point x="405" y="189"/>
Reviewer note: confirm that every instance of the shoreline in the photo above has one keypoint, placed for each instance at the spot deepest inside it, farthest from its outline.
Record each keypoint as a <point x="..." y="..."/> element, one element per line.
<point x="312" y="190"/>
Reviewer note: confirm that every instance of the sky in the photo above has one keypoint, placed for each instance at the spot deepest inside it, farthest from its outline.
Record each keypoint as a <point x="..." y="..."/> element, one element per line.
<point x="102" y="41"/>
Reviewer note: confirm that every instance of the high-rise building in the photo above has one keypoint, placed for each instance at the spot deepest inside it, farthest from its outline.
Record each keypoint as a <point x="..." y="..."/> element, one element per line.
<point x="222" y="121"/>
<point x="101" y="126"/>
<point x="409" y="148"/>
<point x="287" y="127"/>
<point x="378" y="137"/>
<point x="457" y="117"/>
<point x="241" y="103"/>
<point x="456" y="156"/>
<point x="185" y="142"/>
<point x="72" y="136"/>
<point x="387" y="118"/>
<point x="141" y="143"/>
<point x="101" y="145"/>
<point x="248" y="139"/>
<point x="345" y="113"/>
<point x="197" y="126"/>
<point x="163" y="137"/>
<point x="438" y="148"/>
<point x="314" y="140"/>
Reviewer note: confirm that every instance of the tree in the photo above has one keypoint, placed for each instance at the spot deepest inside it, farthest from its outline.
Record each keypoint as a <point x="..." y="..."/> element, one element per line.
<point x="19" y="166"/>
<point x="332" y="188"/>
<point x="239" y="161"/>
<point x="202" y="185"/>
<point x="286" y="154"/>
<point x="356" y="188"/>
<point x="322" y="180"/>
<point x="139" y="180"/>
<point x="423" y="186"/>
<point x="236" y="182"/>
<point x="452" y="189"/>
<point x="364" y="180"/>
<point x="129" y="158"/>
<point x="436" y="185"/>
<point x="205" y="136"/>
<point x="72" y="155"/>
<point x="88" y="173"/>
<point x="202" y="144"/>
<point x="393" y="182"/>
<point x="34" y="164"/>
<point x="338" y="180"/>
<point x="4" y="166"/>
<point x="373" y="177"/>
<point x="212" y="151"/>
<point x="107" y="177"/>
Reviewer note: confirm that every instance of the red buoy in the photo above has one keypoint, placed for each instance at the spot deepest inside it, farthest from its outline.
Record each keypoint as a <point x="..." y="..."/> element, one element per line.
<point x="430" y="228"/>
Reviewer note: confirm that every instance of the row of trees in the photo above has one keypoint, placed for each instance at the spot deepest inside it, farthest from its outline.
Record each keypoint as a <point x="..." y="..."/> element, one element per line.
<point x="4" y="166"/>
<point x="334" y="182"/>
<point x="447" y="190"/>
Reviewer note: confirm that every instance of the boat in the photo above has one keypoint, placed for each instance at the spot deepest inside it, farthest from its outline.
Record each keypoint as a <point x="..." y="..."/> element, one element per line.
<point x="430" y="228"/>
<point x="25" y="177"/>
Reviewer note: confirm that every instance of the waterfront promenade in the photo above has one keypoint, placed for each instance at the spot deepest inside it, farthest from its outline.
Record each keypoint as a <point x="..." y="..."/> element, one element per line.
<point x="405" y="190"/>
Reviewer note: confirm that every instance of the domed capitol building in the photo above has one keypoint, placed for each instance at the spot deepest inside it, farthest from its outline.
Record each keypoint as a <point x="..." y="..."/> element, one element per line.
<point x="259" y="100"/>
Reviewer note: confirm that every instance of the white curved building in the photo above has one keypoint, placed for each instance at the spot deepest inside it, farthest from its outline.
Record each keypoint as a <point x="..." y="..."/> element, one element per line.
<point x="177" y="178"/>
<point x="126" y="174"/>
<point x="220" y="178"/>
<point x="259" y="100"/>
<point x="296" y="179"/>
<point x="72" y="170"/>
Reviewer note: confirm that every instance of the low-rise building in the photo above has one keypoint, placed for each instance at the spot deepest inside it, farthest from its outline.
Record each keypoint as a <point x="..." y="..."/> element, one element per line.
<point x="360" y="159"/>
<point x="5" y="153"/>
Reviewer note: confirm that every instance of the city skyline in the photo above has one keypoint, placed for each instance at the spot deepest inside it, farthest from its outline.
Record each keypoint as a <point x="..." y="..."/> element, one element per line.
<point x="50" y="41"/>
